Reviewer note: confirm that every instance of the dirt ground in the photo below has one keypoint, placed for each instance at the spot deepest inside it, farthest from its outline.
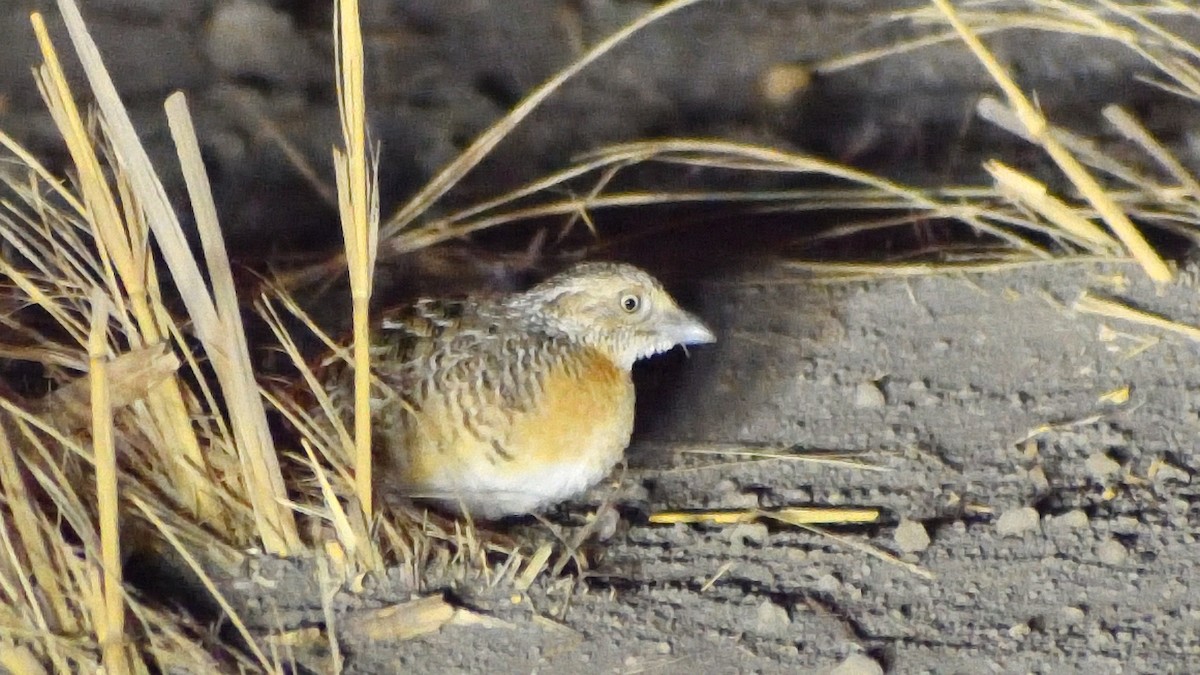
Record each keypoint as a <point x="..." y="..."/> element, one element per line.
<point x="1060" y="522"/>
<point x="1054" y="520"/>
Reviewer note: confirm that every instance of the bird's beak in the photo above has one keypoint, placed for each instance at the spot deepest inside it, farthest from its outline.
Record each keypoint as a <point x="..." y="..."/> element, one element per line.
<point x="686" y="329"/>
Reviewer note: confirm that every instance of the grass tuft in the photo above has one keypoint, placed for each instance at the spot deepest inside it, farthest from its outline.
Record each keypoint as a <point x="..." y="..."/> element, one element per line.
<point x="156" y="435"/>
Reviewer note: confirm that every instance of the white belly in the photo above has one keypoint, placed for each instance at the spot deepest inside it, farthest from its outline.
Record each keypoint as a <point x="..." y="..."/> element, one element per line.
<point x="492" y="494"/>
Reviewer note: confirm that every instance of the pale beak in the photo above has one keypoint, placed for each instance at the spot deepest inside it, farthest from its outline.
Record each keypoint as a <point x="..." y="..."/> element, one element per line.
<point x="686" y="329"/>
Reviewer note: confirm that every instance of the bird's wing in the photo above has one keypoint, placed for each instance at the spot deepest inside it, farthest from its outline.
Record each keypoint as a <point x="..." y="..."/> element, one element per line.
<point x="460" y="345"/>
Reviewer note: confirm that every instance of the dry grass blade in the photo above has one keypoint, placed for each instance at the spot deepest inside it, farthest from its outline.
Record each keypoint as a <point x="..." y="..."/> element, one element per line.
<point x="745" y="157"/>
<point x="876" y="193"/>
<point x="403" y="621"/>
<point x="793" y="515"/>
<point x="225" y="342"/>
<point x="986" y="23"/>
<point x="216" y="323"/>
<point x="488" y="140"/>
<point x="871" y="551"/>
<point x="132" y="376"/>
<point x="533" y="567"/>
<point x="856" y="271"/>
<point x="1088" y="151"/>
<point x="29" y="556"/>
<point x="205" y="580"/>
<point x="123" y="253"/>
<point x="101" y="208"/>
<point x="359" y="209"/>
<point x="1090" y="304"/>
<point x="1134" y="131"/>
<point x="27" y="159"/>
<point x="104" y="448"/>
<point x="69" y="571"/>
<point x="780" y="453"/>
<point x="1025" y="190"/>
<point x="807" y="515"/>
<point x="351" y="532"/>
<point x="1083" y="181"/>
<point x="329" y="589"/>
<point x="20" y="660"/>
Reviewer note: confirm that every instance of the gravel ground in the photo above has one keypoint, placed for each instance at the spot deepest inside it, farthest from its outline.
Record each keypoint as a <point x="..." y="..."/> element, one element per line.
<point x="1057" y="524"/>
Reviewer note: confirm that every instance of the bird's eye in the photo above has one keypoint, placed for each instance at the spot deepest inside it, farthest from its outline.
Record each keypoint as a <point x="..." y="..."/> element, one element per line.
<point x="630" y="303"/>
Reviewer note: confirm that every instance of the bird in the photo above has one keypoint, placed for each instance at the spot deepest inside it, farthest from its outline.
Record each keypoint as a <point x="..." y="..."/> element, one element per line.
<point x="498" y="406"/>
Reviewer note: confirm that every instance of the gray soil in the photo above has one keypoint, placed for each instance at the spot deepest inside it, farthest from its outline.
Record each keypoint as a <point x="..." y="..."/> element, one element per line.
<point x="1058" y="528"/>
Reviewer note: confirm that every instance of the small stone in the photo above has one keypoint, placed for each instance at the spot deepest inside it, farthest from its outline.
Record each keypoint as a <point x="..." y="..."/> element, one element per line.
<point x="1170" y="473"/>
<point x="1111" y="552"/>
<point x="1071" y="616"/>
<point x="663" y="648"/>
<point x="1037" y="476"/>
<point x="911" y="536"/>
<point x="740" y="500"/>
<point x="772" y="620"/>
<point x="786" y="653"/>
<point x="1100" y="466"/>
<point x="868" y="395"/>
<point x="828" y="584"/>
<point x="636" y="493"/>
<point x="251" y="39"/>
<point x="726" y="486"/>
<point x="747" y="533"/>
<point x="1015" y="522"/>
<point x="1074" y="519"/>
<point x="606" y="523"/>
<point x="1019" y="631"/>
<point x="857" y="664"/>
<point x="796" y="555"/>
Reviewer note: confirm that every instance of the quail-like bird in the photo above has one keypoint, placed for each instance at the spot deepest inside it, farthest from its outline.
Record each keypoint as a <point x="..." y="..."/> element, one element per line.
<point x="509" y="405"/>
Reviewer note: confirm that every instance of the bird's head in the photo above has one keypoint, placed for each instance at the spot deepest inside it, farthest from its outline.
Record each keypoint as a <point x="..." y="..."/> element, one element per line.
<point x="616" y="308"/>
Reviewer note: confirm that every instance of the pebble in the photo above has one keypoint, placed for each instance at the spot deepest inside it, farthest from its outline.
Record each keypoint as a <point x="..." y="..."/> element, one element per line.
<point x="1037" y="476"/>
<point x="1111" y="552"/>
<point x="1168" y="472"/>
<point x="828" y="584"/>
<point x="1101" y="466"/>
<point x="1072" y="616"/>
<point x="911" y="536"/>
<point x="868" y="395"/>
<point x="857" y="664"/>
<point x="1074" y="519"/>
<point x="249" y="39"/>
<point x="771" y="619"/>
<point x="747" y="533"/>
<point x="740" y="500"/>
<point x="726" y="486"/>
<point x="1016" y="522"/>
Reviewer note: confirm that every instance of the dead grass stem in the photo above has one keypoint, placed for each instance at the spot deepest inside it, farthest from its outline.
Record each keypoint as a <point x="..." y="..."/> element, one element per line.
<point x="177" y="450"/>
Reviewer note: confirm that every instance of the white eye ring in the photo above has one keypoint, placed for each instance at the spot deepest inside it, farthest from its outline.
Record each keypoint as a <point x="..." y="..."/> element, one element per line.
<point x="630" y="303"/>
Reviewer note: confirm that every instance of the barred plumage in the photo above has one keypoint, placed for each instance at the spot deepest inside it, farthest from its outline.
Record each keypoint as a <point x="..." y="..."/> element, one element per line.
<point x="506" y="405"/>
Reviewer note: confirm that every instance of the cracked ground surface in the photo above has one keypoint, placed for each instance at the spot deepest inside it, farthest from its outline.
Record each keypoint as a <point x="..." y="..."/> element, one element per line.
<point x="1060" y="518"/>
